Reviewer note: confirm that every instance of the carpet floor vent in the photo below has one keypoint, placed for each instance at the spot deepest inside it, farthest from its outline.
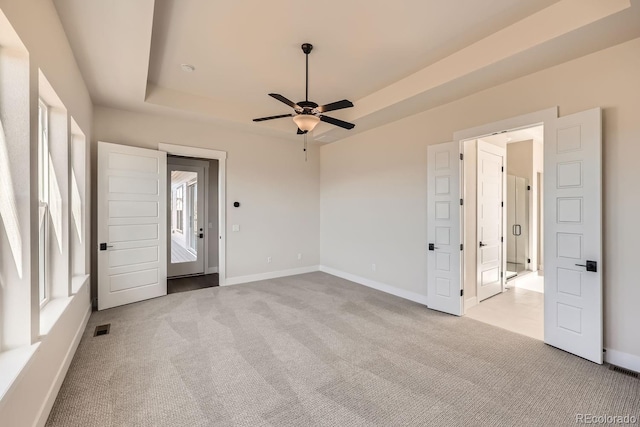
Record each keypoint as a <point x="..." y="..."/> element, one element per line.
<point x="624" y="371"/>
<point x="102" y="330"/>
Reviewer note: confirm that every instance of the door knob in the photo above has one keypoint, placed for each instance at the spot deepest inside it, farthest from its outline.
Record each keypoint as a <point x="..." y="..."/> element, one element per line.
<point x="482" y="244"/>
<point x="432" y="247"/>
<point x="590" y="265"/>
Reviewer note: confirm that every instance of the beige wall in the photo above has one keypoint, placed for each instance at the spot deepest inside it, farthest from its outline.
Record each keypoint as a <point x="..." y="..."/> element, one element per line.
<point x="278" y="191"/>
<point x="373" y="185"/>
<point x="520" y="159"/>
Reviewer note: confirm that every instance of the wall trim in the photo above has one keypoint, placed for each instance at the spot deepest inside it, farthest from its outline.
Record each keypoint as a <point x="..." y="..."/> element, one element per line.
<point x="270" y="275"/>
<point x="212" y="270"/>
<point x="402" y="293"/>
<point x="470" y="302"/>
<point x="45" y="409"/>
<point x="624" y="360"/>
<point x="189" y="151"/>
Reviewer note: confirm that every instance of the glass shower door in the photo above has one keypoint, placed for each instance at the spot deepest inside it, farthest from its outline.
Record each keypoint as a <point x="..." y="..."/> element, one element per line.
<point x="517" y="225"/>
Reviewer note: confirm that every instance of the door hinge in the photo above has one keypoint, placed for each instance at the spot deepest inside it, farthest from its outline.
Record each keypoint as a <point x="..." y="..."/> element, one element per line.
<point x="502" y="204"/>
<point x="461" y="246"/>
<point x="529" y="187"/>
<point x="461" y="292"/>
<point x="528" y="260"/>
<point x="461" y="202"/>
<point x="501" y="274"/>
<point x="501" y="239"/>
<point x="502" y="169"/>
<point x="461" y="156"/>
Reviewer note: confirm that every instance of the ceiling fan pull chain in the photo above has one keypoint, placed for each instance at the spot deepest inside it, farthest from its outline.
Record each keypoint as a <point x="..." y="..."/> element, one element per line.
<point x="305" y="146"/>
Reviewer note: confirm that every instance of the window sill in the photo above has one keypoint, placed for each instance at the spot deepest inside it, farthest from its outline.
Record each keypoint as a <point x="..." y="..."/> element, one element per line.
<point x="77" y="282"/>
<point x="12" y="363"/>
<point x="51" y="312"/>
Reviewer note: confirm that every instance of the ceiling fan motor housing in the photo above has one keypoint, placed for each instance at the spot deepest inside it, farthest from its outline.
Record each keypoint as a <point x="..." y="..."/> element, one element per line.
<point x="307" y="48"/>
<point x="307" y="106"/>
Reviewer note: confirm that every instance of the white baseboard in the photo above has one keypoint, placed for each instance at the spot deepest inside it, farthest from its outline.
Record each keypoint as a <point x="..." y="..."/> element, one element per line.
<point x="624" y="360"/>
<point x="470" y="302"/>
<point x="212" y="270"/>
<point x="270" y="275"/>
<point x="62" y="372"/>
<point x="402" y="293"/>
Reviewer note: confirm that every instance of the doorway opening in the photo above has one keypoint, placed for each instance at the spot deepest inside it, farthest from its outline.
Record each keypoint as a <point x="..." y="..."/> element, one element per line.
<point x="199" y="219"/>
<point x="192" y="196"/>
<point x="502" y="219"/>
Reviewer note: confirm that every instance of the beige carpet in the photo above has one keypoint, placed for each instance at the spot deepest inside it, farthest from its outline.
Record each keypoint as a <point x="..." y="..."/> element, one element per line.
<point x="315" y="350"/>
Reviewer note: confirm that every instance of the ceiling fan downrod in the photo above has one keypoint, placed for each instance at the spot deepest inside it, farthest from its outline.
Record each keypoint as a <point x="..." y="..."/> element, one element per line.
<point x="307" y="48"/>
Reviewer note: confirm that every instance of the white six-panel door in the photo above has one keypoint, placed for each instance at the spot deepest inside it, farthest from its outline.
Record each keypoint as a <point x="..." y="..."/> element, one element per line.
<point x="490" y="208"/>
<point x="573" y="234"/>
<point x="131" y="209"/>
<point x="443" y="228"/>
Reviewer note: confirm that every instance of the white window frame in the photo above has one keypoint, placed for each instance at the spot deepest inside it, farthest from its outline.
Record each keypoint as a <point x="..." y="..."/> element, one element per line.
<point x="180" y="190"/>
<point x="44" y="285"/>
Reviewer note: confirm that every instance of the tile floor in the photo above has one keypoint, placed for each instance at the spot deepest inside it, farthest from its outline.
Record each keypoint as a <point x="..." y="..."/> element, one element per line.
<point x="520" y="309"/>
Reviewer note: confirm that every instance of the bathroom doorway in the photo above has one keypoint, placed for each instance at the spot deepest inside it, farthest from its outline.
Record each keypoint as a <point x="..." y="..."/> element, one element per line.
<point x="510" y="296"/>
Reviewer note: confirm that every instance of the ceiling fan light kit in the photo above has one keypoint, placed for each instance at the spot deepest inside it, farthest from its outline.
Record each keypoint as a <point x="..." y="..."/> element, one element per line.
<point x="306" y="122"/>
<point x="308" y="114"/>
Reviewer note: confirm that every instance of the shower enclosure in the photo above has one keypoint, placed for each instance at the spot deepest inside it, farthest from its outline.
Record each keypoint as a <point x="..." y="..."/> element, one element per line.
<point x="517" y="225"/>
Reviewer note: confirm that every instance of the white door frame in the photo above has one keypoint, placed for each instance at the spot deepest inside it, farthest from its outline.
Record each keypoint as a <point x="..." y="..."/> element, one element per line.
<point x="221" y="157"/>
<point x="548" y="115"/>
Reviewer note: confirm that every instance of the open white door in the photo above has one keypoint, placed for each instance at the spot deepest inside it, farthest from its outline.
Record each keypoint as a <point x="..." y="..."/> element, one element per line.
<point x="132" y="254"/>
<point x="444" y="285"/>
<point x="573" y="234"/>
<point x="490" y="207"/>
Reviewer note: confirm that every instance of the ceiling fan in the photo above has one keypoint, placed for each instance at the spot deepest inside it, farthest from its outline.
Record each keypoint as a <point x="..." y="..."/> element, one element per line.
<point x="308" y="114"/>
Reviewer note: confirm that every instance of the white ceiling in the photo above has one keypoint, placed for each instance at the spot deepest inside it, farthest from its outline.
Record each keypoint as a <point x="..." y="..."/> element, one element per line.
<point x="390" y="58"/>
